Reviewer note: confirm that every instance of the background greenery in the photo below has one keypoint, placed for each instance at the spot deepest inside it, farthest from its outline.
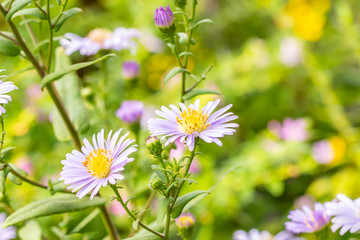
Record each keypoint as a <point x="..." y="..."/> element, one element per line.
<point x="255" y="178"/>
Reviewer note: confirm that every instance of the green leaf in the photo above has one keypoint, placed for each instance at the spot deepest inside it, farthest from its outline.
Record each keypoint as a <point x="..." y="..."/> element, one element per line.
<point x="6" y="151"/>
<point x="196" y="25"/>
<point x="69" y="91"/>
<point x="64" y="70"/>
<point x="64" y="17"/>
<point x="58" y="2"/>
<point x="50" y="206"/>
<point x="82" y="236"/>
<point x="173" y="72"/>
<point x="15" y="179"/>
<point x="30" y="11"/>
<point x="182" y="201"/>
<point x="30" y="20"/>
<point x="31" y="231"/>
<point x="16" y="6"/>
<point x="185" y="54"/>
<point x="8" y="47"/>
<point x="86" y="221"/>
<point x="3" y="175"/>
<point x="135" y="224"/>
<point x="144" y="237"/>
<point x="183" y="38"/>
<point x="46" y="42"/>
<point x="161" y="175"/>
<point x="20" y="171"/>
<point x="162" y="208"/>
<point x="196" y="92"/>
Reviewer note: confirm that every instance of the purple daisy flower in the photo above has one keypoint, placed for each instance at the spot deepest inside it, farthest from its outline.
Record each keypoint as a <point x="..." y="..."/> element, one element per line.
<point x="346" y="214"/>
<point x="130" y="70"/>
<point x="307" y="220"/>
<point x="164" y="17"/>
<point x="130" y="111"/>
<point x="5" y="87"/>
<point x="185" y="220"/>
<point x="191" y="122"/>
<point x="255" y="234"/>
<point x="323" y="152"/>
<point x="100" y="38"/>
<point x="290" y="130"/>
<point x="7" y="233"/>
<point x="98" y="164"/>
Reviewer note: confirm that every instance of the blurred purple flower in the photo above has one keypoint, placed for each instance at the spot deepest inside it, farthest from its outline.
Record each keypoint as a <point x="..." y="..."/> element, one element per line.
<point x="7" y="233"/>
<point x="130" y="70"/>
<point x="346" y="214"/>
<point x="195" y="166"/>
<point x="99" y="38"/>
<point x="307" y="220"/>
<point x="255" y="234"/>
<point x="130" y="111"/>
<point x="291" y="52"/>
<point x="25" y="164"/>
<point x="164" y="17"/>
<point x="290" y="130"/>
<point x="177" y="152"/>
<point x="185" y="220"/>
<point x="323" y="152"/>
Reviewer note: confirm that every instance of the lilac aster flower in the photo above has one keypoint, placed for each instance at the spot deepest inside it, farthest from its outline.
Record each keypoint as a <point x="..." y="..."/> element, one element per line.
<point x="346" y="214"/>
<point x="7" y="233"/>
<point x="5" y="87"/>
<point x="130" y="70"/>
<point x="291" y="52"/>
<point x="307" y="220"/>
<point x="98" y="164"/>
<point x="130" y="111"/>
<point x="185" y="220"/>
<point x="323" y="152"/>
<point x="188" y="123"/>
<point x="100" y="38"/>
<point x="290" y="130"/>
<point x="255" y="234"/>
<point x="164" y="17"/>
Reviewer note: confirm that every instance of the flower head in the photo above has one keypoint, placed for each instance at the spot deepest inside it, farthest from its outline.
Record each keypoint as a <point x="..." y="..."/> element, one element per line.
<point x="130" y="111"/>
<point x="323" y="152"/>
<point x="7" y="233"/>
<point x="100" y="38"/>
<point x="185" y="224"/>
<point x="307" y="220"/>
<point x="130" y="70"/>
<point x="5" y="87"/>
<point x="98" y="164"/>
<point x="290" y="130"/>
<point x="188" y="123"/>
<point x="346" y="214"/>
<point x="255" y="234"/>
<point x="291" y="52"/>
<point x="164" y="20"/>
<point x="154" y="146"/>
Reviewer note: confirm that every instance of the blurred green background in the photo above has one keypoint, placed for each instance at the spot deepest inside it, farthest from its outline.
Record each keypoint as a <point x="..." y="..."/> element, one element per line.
<point x="272" y="60"/>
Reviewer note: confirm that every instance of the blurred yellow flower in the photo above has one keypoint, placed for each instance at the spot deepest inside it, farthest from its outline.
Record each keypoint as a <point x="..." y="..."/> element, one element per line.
<point x="308" y="17"/>
<point x="339" y="146"/>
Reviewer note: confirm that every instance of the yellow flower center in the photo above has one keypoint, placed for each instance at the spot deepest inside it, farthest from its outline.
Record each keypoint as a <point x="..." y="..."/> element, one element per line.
<point x="185" y="221"/>
<point x="193" y="121"/>
<point x="98" y="163"/>
<point x="99" y="35"/>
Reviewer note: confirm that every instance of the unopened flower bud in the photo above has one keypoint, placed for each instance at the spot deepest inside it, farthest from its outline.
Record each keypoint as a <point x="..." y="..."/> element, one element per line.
<point x="156" y="184"/>
<point x="130" y="70"/>
<point x="154" y="146"/>
<point x="180" y="3"/>
<point x="165" y="21"/>
<point x="185" y="224"/>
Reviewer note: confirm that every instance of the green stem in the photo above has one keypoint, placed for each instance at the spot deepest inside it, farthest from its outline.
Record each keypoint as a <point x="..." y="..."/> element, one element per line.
<point x="167" y="223"/>
<point x="147" y="205"/>
<point x="118" y="197"/>
<point x="109" y="225"/>
<point x="51" y="37"/>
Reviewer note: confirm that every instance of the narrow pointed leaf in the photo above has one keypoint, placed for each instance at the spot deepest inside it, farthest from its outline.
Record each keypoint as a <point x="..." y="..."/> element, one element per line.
<point x="16" y="6"/>
<point x="173" y="72"/>
<point x="64" y="17"/>
<point x="196" y="25"/>
<point x="196" y="92"/>
<point x="15" y="179"/>
<point x="164" y="203"/>
<point x="62" y="72"/>
<point x="50" y="206"/>
<point x="182" y="201"/>
<point x="30" y="11"/>
<point x="8" y="47"/>
<point x="19" y="170"/>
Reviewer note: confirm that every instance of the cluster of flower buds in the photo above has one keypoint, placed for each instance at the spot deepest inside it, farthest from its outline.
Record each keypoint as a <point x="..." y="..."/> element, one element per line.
<point x="165" y="21"/>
